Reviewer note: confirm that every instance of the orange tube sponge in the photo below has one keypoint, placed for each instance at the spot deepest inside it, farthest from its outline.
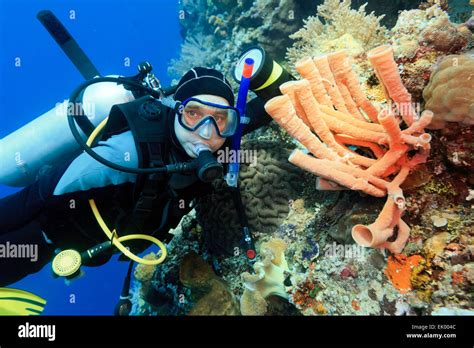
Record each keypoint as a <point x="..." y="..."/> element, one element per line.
<point x="322" y="64"/>
<point x="308" y="71"/>
<point x="390" y="124"/>
<point x="343" y="72"/>
<point x="340" y="123"/>
<point x="421" y="123"/>
<point x="358" y="173"/>
<point x="350" y="103"/>
<point x="288" y="88"/>
<point x="398" y="244"/>
<point x="311" y="108"/>
<point x="326" y="170"/>
<point x="282" y="111"/>
<point x="345" y="139"/>
<point x="382" y="165"/>
<point x="377" y="233"/>
<point x="354" y="131"/>
<point x="382" y="60"/>
<point x="351" y="120"/>
<point x="307" y="100"/>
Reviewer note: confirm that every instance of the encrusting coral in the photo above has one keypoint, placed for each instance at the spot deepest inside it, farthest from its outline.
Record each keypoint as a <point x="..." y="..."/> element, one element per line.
<point x="267" y="280"/>
<point x="144" y="274"/>
<point x="450" y="92"/>
<point x="310" y="105"/>
<point x="430" y="27"/>
<point x="212" y="293"/>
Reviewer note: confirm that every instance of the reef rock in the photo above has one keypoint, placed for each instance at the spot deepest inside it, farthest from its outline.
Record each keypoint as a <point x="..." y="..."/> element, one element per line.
<point x="446" y="37"/>
<point x="212" y="294"/>
<point x="144" y="274"/>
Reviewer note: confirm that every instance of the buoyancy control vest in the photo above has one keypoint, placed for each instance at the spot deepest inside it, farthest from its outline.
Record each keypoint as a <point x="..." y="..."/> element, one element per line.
<point x="153" y="205"/>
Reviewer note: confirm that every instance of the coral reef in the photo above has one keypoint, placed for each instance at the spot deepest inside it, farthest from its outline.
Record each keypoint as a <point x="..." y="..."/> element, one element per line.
<point x="268" y="185"/>
<point x="337" y="26"/>
<point x="325" y="272"/>
<point x="446" y="37"/>
<point x="420" y="37"/>
<point x="228" y="27"/>
<point x="267" y="280"/>
<point x="458" y="146"/>
<point x="144" y="274"/>
<point x="214" y="298"/>
<point x="450" y="92"/>
<point x="308" y="105"/>
<point x="195" y="51"/>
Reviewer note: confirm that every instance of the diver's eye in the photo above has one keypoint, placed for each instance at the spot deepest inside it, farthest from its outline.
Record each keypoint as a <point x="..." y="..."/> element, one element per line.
<point x="192" y="114"/>
<point x="220" y="118"/>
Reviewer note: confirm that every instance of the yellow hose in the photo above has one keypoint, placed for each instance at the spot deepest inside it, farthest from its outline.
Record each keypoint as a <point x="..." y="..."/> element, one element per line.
<point x="112" y="235"/>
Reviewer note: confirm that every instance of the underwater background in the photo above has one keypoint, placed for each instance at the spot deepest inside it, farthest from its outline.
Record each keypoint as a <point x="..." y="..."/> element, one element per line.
<point x="310" y="263"/>
<point x="109" y="31"/>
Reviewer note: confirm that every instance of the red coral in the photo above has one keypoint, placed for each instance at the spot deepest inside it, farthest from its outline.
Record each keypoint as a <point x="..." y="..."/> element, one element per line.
<point x="458" y="278"/>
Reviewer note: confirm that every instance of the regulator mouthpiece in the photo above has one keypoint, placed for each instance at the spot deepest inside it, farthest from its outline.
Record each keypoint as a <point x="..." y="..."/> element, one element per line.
<point x="208" y="169"/>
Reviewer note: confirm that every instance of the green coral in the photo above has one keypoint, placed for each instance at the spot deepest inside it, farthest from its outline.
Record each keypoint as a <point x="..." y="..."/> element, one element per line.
<point x="439" y="188"/>
<point x="421" y="279"/>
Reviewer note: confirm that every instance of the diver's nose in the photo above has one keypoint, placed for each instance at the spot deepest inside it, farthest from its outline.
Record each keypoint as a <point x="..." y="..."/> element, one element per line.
<point x="205" y="131"/>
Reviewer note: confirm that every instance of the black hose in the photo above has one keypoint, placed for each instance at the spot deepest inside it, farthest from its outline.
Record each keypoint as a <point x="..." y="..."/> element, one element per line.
<point x="119" y="80"/>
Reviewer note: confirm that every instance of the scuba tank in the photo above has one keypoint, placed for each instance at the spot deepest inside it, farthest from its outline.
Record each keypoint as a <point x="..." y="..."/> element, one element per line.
<point x="47" y="140"/>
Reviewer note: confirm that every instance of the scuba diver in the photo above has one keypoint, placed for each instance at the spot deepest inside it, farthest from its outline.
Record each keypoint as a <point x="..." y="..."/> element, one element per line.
<point x="135" y="162"/>
<point x="53" y="213"/>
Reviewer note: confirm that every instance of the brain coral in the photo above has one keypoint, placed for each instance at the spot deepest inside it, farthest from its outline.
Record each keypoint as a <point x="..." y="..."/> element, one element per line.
<point x="450" y="92"/>
<point x="266" y="187"/>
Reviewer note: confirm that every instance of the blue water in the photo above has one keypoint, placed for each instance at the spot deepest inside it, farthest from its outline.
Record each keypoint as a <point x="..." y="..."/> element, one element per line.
<point x="109" y="31"/>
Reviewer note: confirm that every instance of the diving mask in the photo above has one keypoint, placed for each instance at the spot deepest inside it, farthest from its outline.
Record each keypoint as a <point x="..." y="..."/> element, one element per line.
<point x="194" y="113"/>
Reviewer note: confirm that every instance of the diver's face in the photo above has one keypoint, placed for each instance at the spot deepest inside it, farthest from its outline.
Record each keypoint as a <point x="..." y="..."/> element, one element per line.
<point x="204" y="136"/>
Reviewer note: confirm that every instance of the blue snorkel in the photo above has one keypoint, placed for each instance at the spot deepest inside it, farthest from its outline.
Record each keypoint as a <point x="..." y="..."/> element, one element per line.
<point x="232" y="176"/>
